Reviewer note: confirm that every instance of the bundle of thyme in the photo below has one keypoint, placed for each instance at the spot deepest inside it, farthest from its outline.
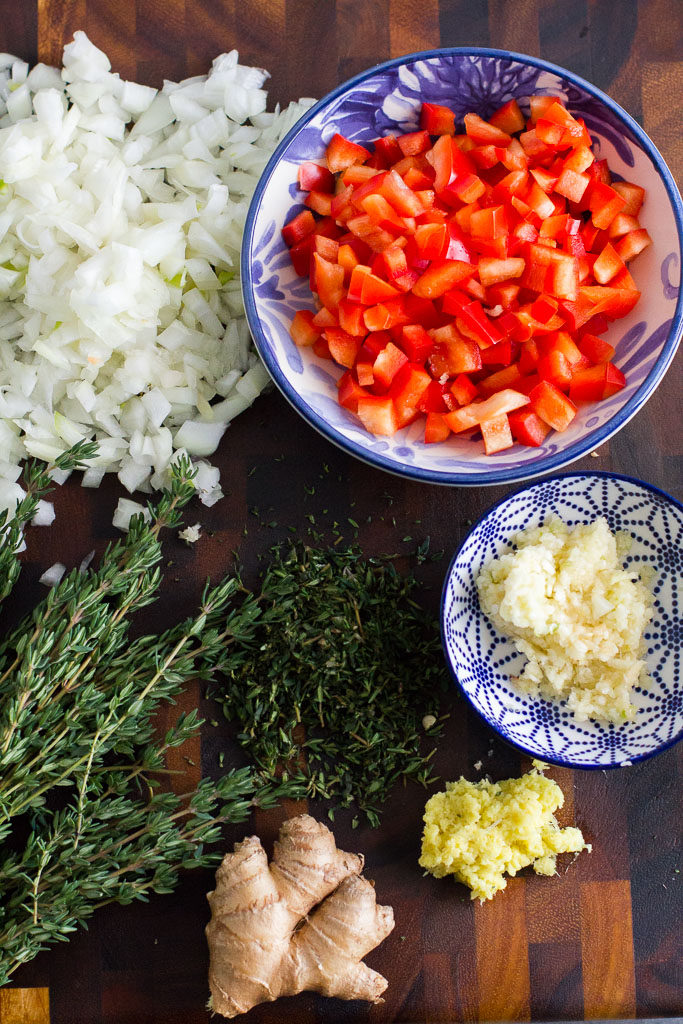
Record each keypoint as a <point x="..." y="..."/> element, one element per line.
<point x="339" y="678"/>
<point x="83" y="818"/>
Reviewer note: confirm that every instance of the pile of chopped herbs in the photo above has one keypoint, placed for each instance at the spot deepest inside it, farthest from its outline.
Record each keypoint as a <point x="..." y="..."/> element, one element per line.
<point x="331" y="681"/>
<point x="86" y="813"/>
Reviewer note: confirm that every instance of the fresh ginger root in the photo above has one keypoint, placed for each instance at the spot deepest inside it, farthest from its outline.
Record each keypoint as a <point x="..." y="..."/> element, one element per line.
<point x="255" y="952"/>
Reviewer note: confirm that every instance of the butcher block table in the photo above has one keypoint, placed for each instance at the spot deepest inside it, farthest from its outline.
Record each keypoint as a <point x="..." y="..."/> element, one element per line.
<point x="601" y="940"/>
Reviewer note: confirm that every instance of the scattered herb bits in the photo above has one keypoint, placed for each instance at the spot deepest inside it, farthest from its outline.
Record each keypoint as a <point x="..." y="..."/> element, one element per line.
<point x="333" y="680"/>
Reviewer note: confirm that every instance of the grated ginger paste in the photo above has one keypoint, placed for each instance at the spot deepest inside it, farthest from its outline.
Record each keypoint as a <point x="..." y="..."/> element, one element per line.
<point x="481" y="831"/>
<point x="566" y="602"/>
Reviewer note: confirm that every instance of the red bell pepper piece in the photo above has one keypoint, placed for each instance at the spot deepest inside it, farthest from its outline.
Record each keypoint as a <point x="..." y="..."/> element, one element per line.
<point x="416" y="343"/>
<point x="298" y="227"/>
<point x="460" y="355"/>
<point x="596" y="383"/>
<point x="473" y="316"/>
<point x="387" y="364"/>
<point x="501" y="380"/>
<point x="314" y="178"/>
<point x="509" y="118"/>
<point x="596" y="349"/>
<point x="633" y="196"/>
<point x="632" y="244"/>
<point x="341" y="153"/>
<point x="388" y="149"/>
<point x="464" y="390"/>
<point x="527" y="427"/>
<point x="436" y="119"/>
<point x="483" y="132"/>
<point x="343" y="347"/>
<point x="378" y="415"/>
<point x="414" y="142"/>
<point x="502" y="403"/>
<point x="436" y="428"/>
<point x="440" y="277"/>
<point x="496" y="434"/>
<point x="349" y="392"/>
<point x="329" y="281"/>
<point x="552" y="406"/>
<point x="351" y="318"/>
<point x="303" y="331"/>
<point x="555" y="367"/>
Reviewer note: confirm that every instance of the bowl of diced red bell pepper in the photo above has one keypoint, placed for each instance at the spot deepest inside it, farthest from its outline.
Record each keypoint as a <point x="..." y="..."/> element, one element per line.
<point x="462" y="266"/>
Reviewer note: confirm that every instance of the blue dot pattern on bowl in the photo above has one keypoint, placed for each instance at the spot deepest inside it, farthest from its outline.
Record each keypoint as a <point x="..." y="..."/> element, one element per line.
<point x="483" y="661"/>
<point x="389" y="100"/>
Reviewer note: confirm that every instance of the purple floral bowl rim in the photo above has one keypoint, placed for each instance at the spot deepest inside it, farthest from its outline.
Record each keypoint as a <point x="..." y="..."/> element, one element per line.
<point x="572" y="474"/>
<point x="492" y="477"/>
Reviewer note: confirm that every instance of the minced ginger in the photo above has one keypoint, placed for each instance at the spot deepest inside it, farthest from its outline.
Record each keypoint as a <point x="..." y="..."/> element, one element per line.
<point x="481" y="831"/>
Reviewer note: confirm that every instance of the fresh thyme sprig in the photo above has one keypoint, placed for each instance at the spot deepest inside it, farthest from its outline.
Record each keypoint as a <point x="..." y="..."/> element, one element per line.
<point x="80" y="762"/>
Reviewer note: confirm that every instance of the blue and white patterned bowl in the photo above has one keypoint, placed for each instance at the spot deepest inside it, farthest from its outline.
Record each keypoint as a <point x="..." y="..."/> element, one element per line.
<point x="482" y="660"/>
<point x="387" y="99"/>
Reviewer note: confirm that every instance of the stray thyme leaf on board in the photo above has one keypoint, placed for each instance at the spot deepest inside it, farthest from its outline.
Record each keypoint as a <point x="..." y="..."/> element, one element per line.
<point x="330" y="686"/>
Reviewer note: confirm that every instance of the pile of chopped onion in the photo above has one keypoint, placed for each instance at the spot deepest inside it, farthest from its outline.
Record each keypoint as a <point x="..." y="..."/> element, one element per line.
<point x="121" y="217"/>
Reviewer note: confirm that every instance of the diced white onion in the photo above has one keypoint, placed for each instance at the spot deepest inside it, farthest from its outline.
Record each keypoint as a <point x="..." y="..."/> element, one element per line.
<point x="121" y="217"/>
<point x="125" y="510"/>
<point x="44" y="514"/>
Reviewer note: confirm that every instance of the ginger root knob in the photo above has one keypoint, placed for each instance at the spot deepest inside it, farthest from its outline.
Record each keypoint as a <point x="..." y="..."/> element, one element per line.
<point x="257" y="949"/>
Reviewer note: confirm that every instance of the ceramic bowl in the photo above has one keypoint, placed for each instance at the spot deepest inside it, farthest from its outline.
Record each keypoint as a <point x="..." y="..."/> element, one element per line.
<point x="482" y="661"/>
<point x="386" y="99"/>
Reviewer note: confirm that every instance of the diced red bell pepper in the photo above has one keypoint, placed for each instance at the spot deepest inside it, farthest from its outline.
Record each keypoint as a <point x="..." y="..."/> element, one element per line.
<point x="527" y="427"/>
<point x="402" y="198"/>
<point x="326" y="247"/>
<point x="358" y="275"/>
<point x="501" y="354"/>
<point x="325" y="318"/>
<point x="604" y="204"/>
<point x="509" y="118"/>
<point x="483" y="132"/>
<point x="464" y="390"/>
<point x="436" y="428"/>
<point x="389" y="149"/>
<point x="300" y="255"/>
<point x="377" y="238"/>
<point x="492" y="270"/>
<point x="440" y="277"/>
<point x="303" y="331"/>
<point x="298" y="227"/>
<point x="341" y="153"/>
<point x="416" y="343"/>
<point x="633" y="196"/>
<point x="613" y="302"/>
<point x="596" y="349"/>
<point x="572" y="185"/>
<point x="471" y="312"/>
<point x="374" y="290"/>
<point x="378" y="414"/>
<point x="621" y="225"/>
<point x="496" y="434"/>
<point x="461" y="355"/>
<point x="436" y="119"/>
<point x="503" y="294"/>
<point x="409" y="385"/>
<point x="596" y="383"/>
<point x="349" y="391"/>
<point x="320" y="202"/>
<point x="343" y="347"/>
<point x="632" y="244"/>
<point x="329" y="281"/>
<point x="554" y="367"/>
<point x="384" y="215"/>
<point x="529" y="356"/>
<point x="434" y="398"/>
<point x="351" y="318"/>
<point x="322" y="349"/>
<point x="421" y="183"/>
<point x="314" y="178"/>
<point x="552" y="406"/>
<point x="543" y="308"/>
<point x="414" y="142"/>
<point x="608" y="264"/>
<point x="490" y="222"/>
<point x="387" y="364"/>
<point x="390" y="313"/>
<point x="508" y="377"/>
<point x="499" y="404"/>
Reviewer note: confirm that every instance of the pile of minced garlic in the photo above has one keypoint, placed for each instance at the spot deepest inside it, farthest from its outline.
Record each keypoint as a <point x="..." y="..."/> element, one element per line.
<point x="577" y="615"/>
<point x="481" y="831"/>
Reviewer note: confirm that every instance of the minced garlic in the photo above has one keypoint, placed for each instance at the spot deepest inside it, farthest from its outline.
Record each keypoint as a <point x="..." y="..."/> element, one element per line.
<point x="481" y="831"/>
<point x="566" y="602"/>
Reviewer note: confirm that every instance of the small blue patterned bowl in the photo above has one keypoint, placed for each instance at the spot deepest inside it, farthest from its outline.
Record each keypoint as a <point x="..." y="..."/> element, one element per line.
<point x="482" y="660"/>
<point x="387" y="99"/>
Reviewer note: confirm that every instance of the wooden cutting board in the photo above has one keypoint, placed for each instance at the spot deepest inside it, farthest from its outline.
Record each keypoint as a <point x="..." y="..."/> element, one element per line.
<point x="600" y="940"/>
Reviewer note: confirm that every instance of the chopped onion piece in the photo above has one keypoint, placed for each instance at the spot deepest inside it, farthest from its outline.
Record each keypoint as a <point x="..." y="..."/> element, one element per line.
<point x="44" y="514"/>
<point x="52" y="576"/>
<point x="125" y="510"/>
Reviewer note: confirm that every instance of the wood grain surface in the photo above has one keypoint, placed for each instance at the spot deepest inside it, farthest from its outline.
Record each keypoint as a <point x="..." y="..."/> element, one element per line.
<point x="603" y="938"/>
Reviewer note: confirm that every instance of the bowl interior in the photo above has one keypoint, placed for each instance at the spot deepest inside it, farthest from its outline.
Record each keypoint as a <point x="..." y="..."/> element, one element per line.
<point x="388" y="100"/>
<point x="482" y="660"/>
